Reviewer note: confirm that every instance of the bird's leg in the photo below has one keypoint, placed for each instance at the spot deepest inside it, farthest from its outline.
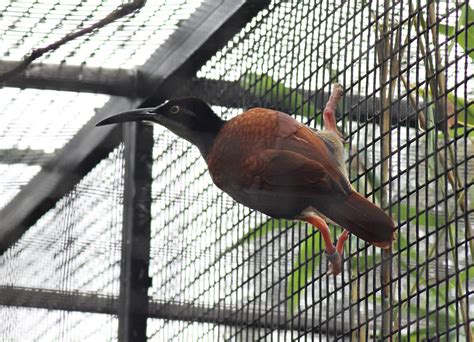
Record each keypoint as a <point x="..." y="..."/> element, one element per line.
<point x="333" y="253"/>
<point x="329" y="114"/>
<point x="341" y="240"/>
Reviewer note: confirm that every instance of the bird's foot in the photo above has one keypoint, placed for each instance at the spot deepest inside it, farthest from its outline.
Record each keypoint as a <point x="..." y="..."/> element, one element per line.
<point x="335" y="263"/>
<point x="333" y="252"/>
<point x="335" y="259"/>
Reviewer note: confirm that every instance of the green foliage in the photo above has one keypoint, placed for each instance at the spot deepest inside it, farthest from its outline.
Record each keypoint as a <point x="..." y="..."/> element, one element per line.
<point x="465" y="35"/>
<point x="367" y="262"/>
<point x="309" y="252"/>
<point x="456" y="133"/>
<point x="424" y="333"/>
<point x="303" y="266"/>
<point x="308" y="257"/>
<point x="468" y="119"/>
<point x="407" y="213"/>
<point x="468" y="273"/>
<point x="268" y="89"/>
<point x="449" y="314"/>
<point x="465" y="113"/>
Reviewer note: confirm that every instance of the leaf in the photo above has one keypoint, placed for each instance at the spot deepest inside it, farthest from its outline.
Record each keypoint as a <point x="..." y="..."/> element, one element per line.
<point x="447" y="312"/>
<point x="367" y="262"/>
<point x="468" y="119"/>
<point x="408" y="213"/>
<point x="405" y="252"/>
<point x="469" y="44"/>
<point x="468" y="273"/>
<point x="426" y="333"/>
<point x="469" y="15"/>
<point x="434" y="323"/>
<point x="459" y="132"/>
<point x="466" y="29"/>
<point x="308" y="256"/>
<point x="269" y="89"/>
<point x="447" y="30"/>
<point x="465" y="114"/>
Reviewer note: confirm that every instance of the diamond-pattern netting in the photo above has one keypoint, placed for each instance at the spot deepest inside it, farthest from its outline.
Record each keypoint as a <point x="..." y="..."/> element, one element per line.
<point x="34" y="125"/>
<point x="128" y="42"/>
<point x="44" y="119"/>
<point x="13" y="177"/>
<point x="76" y="245"/>
<point x="23" y="324"/>
<point x="72" y="254"/>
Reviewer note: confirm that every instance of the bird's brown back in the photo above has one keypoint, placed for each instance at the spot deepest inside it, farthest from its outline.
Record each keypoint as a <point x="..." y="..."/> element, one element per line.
<point x="234" y="160"/>
<point x="270" y="162"/>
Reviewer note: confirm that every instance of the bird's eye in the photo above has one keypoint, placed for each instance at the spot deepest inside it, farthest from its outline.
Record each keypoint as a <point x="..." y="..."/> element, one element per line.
<point x="174" y="109"/>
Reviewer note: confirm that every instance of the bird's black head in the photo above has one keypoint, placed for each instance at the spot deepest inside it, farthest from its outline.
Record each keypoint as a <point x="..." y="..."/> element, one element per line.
<point x="189" y="118"/>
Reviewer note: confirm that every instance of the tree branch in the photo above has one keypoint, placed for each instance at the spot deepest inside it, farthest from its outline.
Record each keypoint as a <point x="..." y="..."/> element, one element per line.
<point x="120" y="12"/>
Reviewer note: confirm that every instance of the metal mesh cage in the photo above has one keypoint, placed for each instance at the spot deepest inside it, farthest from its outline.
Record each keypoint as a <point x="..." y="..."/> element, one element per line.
<point x="125" y="43"/>
<point x="213" y="269"/>
<point x="238" y="267"/>
<point x="33" y="131"/>
<point x="69" y="259"/>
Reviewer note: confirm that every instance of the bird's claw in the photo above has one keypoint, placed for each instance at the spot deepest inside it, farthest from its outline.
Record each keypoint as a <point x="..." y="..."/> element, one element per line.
<point x="335" y="263"/>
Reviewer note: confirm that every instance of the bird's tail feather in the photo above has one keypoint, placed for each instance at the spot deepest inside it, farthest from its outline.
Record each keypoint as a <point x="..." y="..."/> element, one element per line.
<point x="362" y="218"/>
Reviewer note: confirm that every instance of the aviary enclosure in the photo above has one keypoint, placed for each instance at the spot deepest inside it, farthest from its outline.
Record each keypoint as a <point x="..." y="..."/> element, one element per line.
<point x="118" y="233"/>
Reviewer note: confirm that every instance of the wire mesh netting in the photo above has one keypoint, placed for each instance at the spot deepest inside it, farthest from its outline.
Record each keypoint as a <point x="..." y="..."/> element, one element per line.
<point x="32" y="131"/>
<point x="221" y="271"/>
<point x="70" y="256"/>
<point x="240" y="268"/>
<point x="49" y="325"/>
<point x="128" y="42"/>
<point x="37" y="123"/>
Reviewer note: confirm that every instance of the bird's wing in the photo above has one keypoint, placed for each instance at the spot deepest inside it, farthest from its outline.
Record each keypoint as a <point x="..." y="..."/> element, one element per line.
<point x="296" y="149"/>
<point x="319" y="146"/>
<point x="290" y="173"/>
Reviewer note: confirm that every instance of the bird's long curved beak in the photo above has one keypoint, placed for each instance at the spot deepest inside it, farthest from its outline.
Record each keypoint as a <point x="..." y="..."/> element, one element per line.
<point x="141" y="114"/>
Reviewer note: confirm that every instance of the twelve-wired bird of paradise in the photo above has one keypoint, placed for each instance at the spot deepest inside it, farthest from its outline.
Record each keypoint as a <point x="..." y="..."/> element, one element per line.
<point x="270" y="162"/>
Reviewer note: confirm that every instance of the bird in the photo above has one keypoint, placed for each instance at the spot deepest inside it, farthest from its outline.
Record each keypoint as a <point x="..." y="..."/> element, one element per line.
<point x="270" y="162"/>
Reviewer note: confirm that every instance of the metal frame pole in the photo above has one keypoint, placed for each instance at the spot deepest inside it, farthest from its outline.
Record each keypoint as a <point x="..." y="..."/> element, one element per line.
<point x="134" y="278"/>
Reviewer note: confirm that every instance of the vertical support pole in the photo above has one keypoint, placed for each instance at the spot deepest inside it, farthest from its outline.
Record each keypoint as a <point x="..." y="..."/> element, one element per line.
<point x="386" y="60"/>
<point x="134" y="278"/>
